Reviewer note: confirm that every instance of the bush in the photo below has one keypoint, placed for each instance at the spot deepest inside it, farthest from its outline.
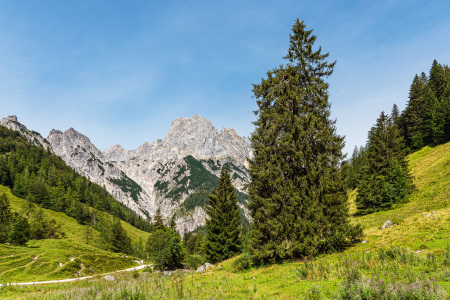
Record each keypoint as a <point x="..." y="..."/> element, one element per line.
<point x="147" y="269"/>
<point x="194" y="261"/>
<point x="242" y="263"/>
<point x="379" y="289"/>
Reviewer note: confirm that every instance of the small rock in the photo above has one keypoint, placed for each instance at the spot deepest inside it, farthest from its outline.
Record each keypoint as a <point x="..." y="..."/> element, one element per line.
<point x="201" y="269"/>
<point x="220" y="267"/>
<point x="418" y="251"/>
<point x="61" y="264"/>
<point x="71" y="258"/>
<point x="253" y="277"/>
<point x="208" y="265"/>
<point x="363" y="242"/>
<point x="109" y="278"/>
<point x="167" y="273"/>
<point x="434" y="212"/>
<point x="426" y="215"/>
<point x="387" y="224"/>
<point x="435" y="218"/>
<point x="367" y="251"/>
<point x="8" y="244"/>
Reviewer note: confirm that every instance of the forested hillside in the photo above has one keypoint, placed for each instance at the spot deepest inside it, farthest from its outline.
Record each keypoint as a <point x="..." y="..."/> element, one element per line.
<point x="40" y="177"/>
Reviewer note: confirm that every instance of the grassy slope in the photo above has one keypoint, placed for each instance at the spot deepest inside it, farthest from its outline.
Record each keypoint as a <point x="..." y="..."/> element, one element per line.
<point x="51" y="259"/>
<point x="430" y="168"/>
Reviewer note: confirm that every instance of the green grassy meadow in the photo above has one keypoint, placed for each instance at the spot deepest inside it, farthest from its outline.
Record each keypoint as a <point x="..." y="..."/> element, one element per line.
<point x="68" y="257"/>
<point x="415" y="251"/>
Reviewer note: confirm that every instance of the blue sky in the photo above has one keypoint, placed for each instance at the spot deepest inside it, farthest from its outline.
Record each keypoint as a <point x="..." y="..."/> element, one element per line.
<point x="122" y="71"/>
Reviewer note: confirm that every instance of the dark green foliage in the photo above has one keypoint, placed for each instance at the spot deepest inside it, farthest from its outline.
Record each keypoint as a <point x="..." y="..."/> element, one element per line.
<point x="120" y="242"/>
<point x="41" y="228"/>
<point x="194" y="243"/>
<point x="43" y="178"/>
<point x="6" y="218"/>
<point x="224" y="223"/>
<point x="172" y="224"/>
<point x="356" y="167"/>
<point x="20" y="232"/>
<point x="298" y="197"/>
<point x="426" y="118"/>
<point x="128" y="185"/>
<point x="194" y="261"/>
<point x="165" y="249"/>
<point x="242" y="263"/>
<point x="384" y="180"/>
<point x="158" y="222"/>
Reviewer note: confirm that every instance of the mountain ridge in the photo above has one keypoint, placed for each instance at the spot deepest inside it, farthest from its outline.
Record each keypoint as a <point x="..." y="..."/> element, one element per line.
<point x="159" y="174"/>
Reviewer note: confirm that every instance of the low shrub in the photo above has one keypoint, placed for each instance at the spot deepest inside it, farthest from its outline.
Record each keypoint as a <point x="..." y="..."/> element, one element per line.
<point x="242" y="263"/>
<point x="194" y="261"/>
<point x="380" y="289"/>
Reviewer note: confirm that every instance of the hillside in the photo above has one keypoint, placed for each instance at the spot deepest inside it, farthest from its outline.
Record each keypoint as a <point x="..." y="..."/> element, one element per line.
<point x="416" y="249"/>
<point x="61" y="258"/>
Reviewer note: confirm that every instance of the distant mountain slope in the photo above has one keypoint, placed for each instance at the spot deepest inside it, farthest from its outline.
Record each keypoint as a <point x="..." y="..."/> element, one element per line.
<point x="175" y="174"/>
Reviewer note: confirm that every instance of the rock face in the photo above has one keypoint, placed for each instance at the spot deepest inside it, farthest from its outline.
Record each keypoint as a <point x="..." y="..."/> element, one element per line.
<point x="81" y="155"/>
<point x="33" y="136"/>
<point x="175" y="174"/>
<point x="179" y="171"/>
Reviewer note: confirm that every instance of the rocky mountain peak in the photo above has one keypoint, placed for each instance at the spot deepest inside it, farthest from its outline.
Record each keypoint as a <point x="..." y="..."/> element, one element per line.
<point x="116" y="153"/>
<point x="12" y="118"/>
<point x="34" y="137"/>
<point x="196" y="136"/>
<point x="55" y="132"/>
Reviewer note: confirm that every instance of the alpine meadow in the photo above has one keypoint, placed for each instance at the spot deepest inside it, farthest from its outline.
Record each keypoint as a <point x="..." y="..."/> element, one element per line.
<point x="209" y="214"/>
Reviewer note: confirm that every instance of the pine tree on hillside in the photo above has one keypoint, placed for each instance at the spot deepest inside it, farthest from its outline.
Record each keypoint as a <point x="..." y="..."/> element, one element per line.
<point x="437" y="80"/>
<point x="120" y="242"/>
<point x="6" y="217"/>
<point x="413" y="115"/>
<point x="158" y="222"/>
<point x="386" y="181"/>
<point x="297" y="184"/>
<point x="224" y="223"/>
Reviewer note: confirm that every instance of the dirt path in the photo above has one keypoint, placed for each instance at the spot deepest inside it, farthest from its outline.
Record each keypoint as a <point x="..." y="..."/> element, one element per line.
<point x="74" y="279"/>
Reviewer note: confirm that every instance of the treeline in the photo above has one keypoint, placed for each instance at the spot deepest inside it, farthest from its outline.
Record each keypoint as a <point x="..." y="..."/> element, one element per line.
<point x="43" y="178"/>
<point x="379" y="169"/>
<point x="426" y="118"/>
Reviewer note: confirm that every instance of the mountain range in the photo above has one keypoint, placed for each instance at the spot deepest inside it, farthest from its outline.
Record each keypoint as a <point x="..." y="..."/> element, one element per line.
<point x="175" y="174"/>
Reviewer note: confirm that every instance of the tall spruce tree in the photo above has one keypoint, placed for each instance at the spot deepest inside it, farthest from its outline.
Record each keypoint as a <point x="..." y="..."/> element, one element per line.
<point x="297" y="190"/>
<point x="224" y="223"/>
<point x="385" y="181"/>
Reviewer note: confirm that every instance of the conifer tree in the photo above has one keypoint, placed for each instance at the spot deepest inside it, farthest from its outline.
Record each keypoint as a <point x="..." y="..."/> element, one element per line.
<point x="158" y="222"/>
<point x="6" y="217"/>
<point x="386" y="180"/>
<point x="120" y="242"/>
<point x="297" y="189"/>
<point x="224" y="223"/>
<point x="20" y="232"/>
